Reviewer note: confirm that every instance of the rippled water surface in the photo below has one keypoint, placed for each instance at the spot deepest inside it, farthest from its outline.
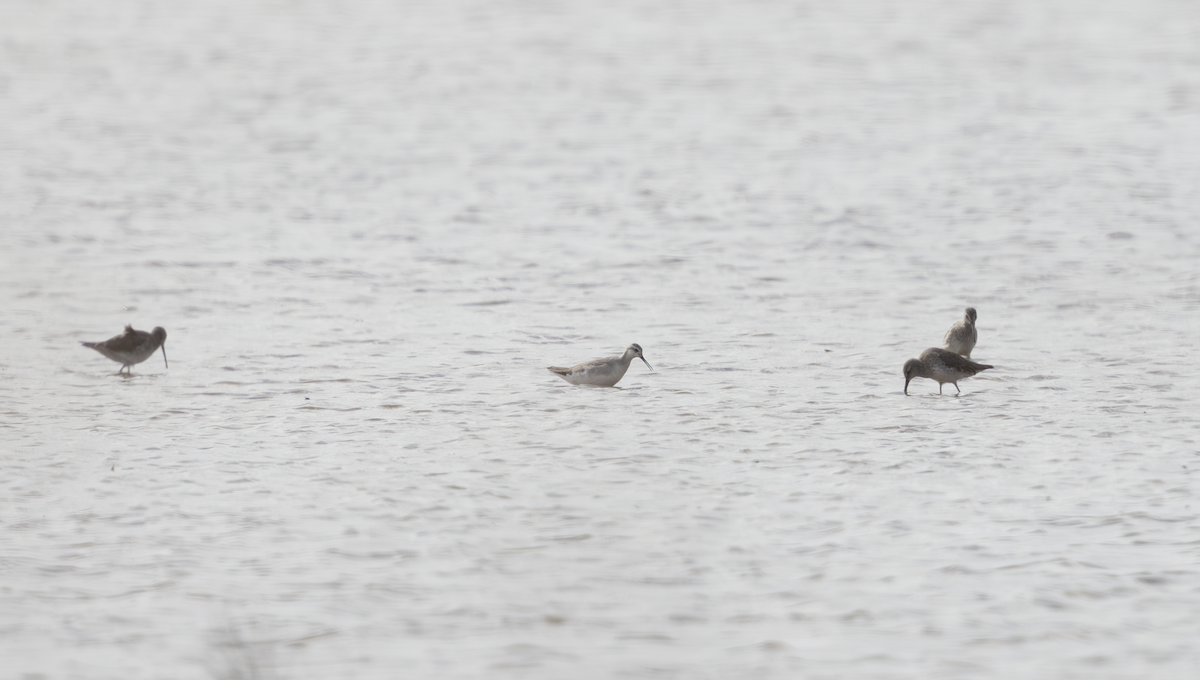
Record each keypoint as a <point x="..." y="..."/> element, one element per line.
<point x="369" y="227"/>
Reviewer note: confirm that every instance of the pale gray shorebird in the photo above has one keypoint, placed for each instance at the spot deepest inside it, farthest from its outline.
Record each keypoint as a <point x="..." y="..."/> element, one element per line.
<point x="941" y="365"/>
<point x="961" y="337"/>
<point x="132" y="347"/>
<point x="601" y="372"/>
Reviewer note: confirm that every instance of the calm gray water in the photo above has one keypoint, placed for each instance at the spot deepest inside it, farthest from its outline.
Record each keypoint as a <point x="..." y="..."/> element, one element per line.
<point x="369" y="227"/>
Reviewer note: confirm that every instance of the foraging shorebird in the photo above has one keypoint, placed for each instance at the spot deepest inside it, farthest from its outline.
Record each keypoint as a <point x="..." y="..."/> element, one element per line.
<point x="601" y="372"/>
<point x="941" y="365"/>
<point x="132" y="347"/>
<point x="961" y="337"/>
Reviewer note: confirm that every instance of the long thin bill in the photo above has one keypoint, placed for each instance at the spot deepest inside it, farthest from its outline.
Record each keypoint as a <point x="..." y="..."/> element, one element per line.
<point x="164" y="349"/>
<point x="646" y="362"/>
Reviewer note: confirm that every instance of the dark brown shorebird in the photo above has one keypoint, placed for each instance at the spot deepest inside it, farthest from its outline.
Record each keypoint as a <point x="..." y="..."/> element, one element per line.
<point x="132" y="347"/>
<point x="961" y="337"/>
<point x="941" y="365"/>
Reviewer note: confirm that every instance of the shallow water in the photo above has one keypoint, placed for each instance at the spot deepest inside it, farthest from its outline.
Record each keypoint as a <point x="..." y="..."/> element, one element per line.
<point x="369" y="229"/>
